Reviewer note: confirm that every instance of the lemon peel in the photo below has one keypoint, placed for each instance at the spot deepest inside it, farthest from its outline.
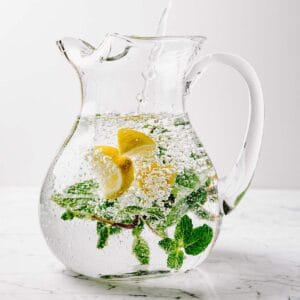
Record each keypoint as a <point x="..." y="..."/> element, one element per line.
<point x="116" y="171"/>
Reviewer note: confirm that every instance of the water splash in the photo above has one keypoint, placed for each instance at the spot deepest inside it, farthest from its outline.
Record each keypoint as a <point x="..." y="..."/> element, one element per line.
<point x="163" y="21"/>
<point x="150" y="71"/>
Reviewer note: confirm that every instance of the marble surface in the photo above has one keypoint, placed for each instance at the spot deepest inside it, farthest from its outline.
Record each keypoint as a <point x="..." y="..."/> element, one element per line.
<point x="257" y="256"/>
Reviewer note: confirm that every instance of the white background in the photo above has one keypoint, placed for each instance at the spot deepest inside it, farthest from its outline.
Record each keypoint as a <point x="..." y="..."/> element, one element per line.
<point x="40" y="97"/>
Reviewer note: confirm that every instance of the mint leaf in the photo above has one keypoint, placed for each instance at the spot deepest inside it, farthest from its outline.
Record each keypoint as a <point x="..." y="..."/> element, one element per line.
<point x="132" y="209"/>
<point x="208" y="182"/>
<point x="137" y="230"/>
<point x="155" y="212"/>
<point x="161" y="151"/>
<point x="203" y="213"/>
<point x="140" y="247"/>
<point x="187" y="179"/>
<point x="194" y="156"/>
<point x="78" y="200"/>
<point x="183" y="229"/>
<point x="103" y="232"/>
<point x="168" y="203"/>
<point x="161" y="230"/>
<point x="196" y="198"/>
<point x="175" y="259"/>
<point x="67" y="215"/>
<point x="192" y="240"/>
<point x="128" y="212"/>
<point x="167" y="244"/>
<point x="176" y="212"/>
<point x="106" y="204"/>
<point x="141" y="250"/>
<point x="80" y="206"/>
<point x="180" y="121"/>
<point x="115" y="230"/>
<point x="83" y="188"/>
<point x="198" y="240"/>
<point x="99" y="226"/>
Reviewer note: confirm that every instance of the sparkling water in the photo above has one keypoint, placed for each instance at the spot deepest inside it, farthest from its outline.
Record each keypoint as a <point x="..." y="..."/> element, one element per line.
<point x="74" y="240"/>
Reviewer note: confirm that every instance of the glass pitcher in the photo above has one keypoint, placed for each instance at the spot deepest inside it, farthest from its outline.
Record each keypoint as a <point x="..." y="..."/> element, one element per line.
<point x="132" y="191"/>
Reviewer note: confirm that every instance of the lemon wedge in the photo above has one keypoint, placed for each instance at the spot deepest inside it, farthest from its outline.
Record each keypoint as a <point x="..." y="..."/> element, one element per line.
<point x="155" y="180"/>
<point x="116" y="171"/>
<point x="132" y="142"/>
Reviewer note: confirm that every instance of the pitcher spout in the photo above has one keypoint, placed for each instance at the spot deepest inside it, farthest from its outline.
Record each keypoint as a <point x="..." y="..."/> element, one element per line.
<point x="142" y="70"/>
<point x="75" y="50"/>
<point x="81" y="53"/>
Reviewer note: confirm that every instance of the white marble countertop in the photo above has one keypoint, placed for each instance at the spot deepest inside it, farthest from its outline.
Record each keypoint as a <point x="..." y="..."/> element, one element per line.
<point x="257" y="256"/>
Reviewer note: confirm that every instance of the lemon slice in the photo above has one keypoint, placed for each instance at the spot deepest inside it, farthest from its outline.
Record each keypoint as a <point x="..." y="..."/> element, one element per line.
<point x="155" y="180"/>
<point x="116" y="171"/>
<point x="132" y="142"/>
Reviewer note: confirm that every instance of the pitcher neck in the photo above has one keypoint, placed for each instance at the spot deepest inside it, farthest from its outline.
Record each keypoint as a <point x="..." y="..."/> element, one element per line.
<point x="132" y="74"/>
<point x="103" y="94"/>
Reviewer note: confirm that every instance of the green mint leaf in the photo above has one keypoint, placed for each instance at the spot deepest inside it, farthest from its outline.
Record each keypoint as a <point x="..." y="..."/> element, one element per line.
<point x="153" y="129"/>
<point x="83" y="188"/>
<point x="188" y="179"/>
<point x="99" y="226"/>
<point x="168" y="203"/>
<point x="163" y="130"/>
<point x="196" y="198"/>
<point x="161" y="230"/>
<point x="137" y="230"/>
<point x="115" y="230"/>
<point x="183" y="229"/>
<point x="157" y="129"/>
<point x="103" y="234"/>
<point x="176" y="212"/>
<point x="106" y="204"/>
<point x="209" y="163"/>
<point x="132" y="209"/>
<point x="198" y="240"/>
<point x="141" y="250"/>
<point x="82" y="207"/>
<point x="208" y="182"/>
<point x="155" y="212"/>
<point x="203" y="213"/>
<point x="161" y="151"/>
<point x="167" y="244"/>
<point x="180" y="121"/>
<point x="195" y="156"/>
<point x="128" y="212"/>
<point x="175" y="259"/>
<point x="67" y="215"/>
<point x="104" y="231"/>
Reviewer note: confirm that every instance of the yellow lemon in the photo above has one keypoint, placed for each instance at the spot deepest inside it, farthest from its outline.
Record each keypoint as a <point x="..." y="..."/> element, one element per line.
<point x="155" y="180"/>
<point x="132" y="142"/>
<point x="110" y="151"/>
<point x="116" y="171"/>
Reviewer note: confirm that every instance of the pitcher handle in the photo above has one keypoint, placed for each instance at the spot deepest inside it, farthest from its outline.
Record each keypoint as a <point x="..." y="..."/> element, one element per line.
<point x="233" y="187"/>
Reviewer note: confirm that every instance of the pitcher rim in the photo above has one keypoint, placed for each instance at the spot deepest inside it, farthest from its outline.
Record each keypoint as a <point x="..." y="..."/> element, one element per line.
<point x="193" y="38"/>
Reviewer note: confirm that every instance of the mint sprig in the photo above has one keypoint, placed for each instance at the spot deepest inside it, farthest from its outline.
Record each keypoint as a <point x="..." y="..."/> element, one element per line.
<point x="104" y="231"/>
<point x="140" y="247"/>
<point x="81" y="200"/>
<point x="187" y="239"/>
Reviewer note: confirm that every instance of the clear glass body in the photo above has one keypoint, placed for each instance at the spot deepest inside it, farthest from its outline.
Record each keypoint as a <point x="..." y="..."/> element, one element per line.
<point x="132" y="191"/>
<point x="75" y="241"/>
